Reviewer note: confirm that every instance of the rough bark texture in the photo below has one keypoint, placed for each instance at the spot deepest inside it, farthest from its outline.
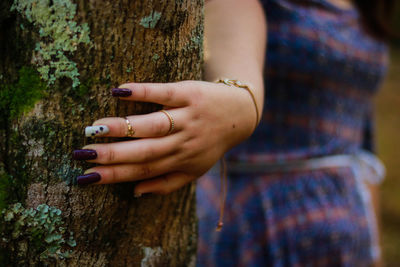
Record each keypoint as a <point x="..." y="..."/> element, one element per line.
<point x="152" y="41"/>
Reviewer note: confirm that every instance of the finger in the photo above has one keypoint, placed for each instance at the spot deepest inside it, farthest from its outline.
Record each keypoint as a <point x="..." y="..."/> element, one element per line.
<point x="167" y="94"/>
<point x="134" y="151"/>
<point x="128" y="172"/>
<point x="150" y="125"/>
<point x="164" y="184"/>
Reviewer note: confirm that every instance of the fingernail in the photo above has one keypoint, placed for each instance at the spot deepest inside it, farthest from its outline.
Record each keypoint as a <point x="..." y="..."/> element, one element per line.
<point x="97" y="130"/>
<point x="84" y="154"/>
<point x="122" y="92"/>
<point x="88" y="178"/>
<point x="137" y="195"/>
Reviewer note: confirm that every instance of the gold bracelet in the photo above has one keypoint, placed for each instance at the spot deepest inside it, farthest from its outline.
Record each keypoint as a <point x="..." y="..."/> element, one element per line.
<point x="223" y="177"/>
<point x="238" y="84"/>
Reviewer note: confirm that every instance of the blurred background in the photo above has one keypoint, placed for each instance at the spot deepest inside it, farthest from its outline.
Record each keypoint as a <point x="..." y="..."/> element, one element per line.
<point x="388" y="132"/>
<point x="388" y="146"/>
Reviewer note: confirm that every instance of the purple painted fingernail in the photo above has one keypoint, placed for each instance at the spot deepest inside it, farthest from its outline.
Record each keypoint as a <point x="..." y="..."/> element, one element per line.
<point x="84" y="154"/>
<point x="121" y="92"/>
<point x="88" y="178"/>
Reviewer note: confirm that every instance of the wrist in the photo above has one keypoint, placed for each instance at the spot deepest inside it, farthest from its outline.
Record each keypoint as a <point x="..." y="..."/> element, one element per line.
<point x="239" y="120"/>
<point x="248" y="89"/>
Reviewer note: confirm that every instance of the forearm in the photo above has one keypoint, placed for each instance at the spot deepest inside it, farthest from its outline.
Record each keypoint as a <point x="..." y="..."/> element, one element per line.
<point x="235" y="40"/>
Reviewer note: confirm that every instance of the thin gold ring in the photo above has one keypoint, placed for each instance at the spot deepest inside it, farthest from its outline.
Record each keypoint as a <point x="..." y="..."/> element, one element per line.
<point x="131" y="131"/>
<point x="171" y="121"/>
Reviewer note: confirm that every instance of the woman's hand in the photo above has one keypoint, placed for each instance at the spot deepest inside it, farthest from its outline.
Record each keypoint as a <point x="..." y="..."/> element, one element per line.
<point x="209" y="119"/>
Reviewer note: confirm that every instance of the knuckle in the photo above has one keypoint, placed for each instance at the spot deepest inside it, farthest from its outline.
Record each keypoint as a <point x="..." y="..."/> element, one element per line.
<point x="190" y="154"/>
<point x="111" y="155"/>
<point x="146" y="91"/>
<point x="106" y="155"/>
<point x="185" y="160"/>
<point x="169" y="94"/>
<point x="192" y="132"/>
<point x="190" y="144"/>
<point x="145" y="171"/>
<point x="148" y="153"/>
<point x="197" y="96"/>
<point x="195" y="116"/>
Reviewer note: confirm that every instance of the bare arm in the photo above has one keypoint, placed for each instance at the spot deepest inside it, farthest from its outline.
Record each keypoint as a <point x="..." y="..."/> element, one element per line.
<point x="235" y="42"/>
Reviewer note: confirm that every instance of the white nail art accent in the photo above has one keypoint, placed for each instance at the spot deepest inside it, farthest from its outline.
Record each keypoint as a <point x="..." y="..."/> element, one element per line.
<point x="97" y="130"/>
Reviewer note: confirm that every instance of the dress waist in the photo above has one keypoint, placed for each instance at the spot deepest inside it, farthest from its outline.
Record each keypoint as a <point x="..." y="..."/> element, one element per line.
<point x="364" y="164"/>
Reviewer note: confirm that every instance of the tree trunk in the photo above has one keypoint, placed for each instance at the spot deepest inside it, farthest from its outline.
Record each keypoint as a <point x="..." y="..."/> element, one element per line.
<point x="45" y="106"/>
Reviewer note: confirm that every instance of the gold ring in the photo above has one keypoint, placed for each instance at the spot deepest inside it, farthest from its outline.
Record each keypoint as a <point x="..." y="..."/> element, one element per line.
<point x="171" y="121"/>
<point x="131" y="131"/>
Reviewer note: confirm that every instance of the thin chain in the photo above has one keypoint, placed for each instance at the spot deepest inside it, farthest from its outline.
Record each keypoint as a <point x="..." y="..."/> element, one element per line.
<point x="222" y="174"/>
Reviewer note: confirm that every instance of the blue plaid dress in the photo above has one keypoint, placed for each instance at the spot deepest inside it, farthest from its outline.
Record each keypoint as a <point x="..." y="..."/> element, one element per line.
<point x="322" y="71"/>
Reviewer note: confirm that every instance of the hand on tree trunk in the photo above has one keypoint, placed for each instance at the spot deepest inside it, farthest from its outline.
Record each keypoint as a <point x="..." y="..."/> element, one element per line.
<point x="203" y="120"/>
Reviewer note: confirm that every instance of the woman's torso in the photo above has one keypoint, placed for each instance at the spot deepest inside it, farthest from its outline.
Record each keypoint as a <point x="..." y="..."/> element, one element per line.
<point x="322" y="70"/>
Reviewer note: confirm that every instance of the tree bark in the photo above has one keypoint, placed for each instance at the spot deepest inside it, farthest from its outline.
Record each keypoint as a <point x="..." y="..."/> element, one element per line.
<point x="140" y="41"/>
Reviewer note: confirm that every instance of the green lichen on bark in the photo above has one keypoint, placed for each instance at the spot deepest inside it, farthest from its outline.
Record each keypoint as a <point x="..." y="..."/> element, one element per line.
<point x="151" y="20"/>
<point x="155" y="57"/>
<point x="21" y="96"/>
<point x="196" y="39"/>
<point x="66" y="172"/>
<point x="39" y="233"/>
<point x="60" y="37"/>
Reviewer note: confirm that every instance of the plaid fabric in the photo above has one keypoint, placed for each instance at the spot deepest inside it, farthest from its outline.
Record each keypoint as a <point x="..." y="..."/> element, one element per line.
<point x="322" y="70"/>
<point x="311" y="218"/>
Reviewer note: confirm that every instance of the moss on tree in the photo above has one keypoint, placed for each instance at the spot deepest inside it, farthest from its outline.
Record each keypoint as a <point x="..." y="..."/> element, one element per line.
<point x="21" y="96"/>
